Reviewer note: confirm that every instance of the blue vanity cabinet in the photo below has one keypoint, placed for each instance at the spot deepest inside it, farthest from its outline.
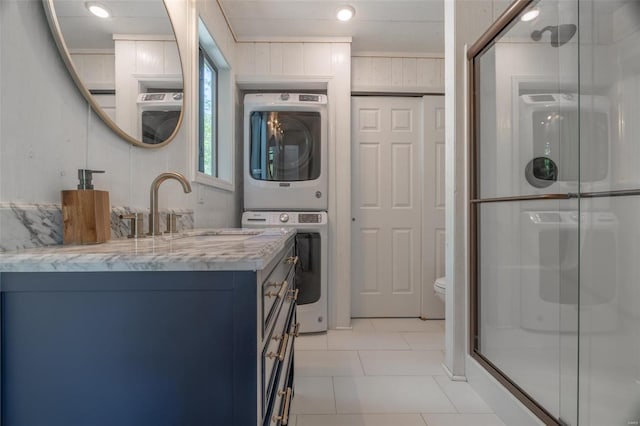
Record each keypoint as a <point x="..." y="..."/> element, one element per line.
<point x="180" y="348"/>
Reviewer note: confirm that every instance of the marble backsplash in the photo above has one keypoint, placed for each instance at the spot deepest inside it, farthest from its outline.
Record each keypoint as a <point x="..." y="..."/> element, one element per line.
<point x="39" y="225"/>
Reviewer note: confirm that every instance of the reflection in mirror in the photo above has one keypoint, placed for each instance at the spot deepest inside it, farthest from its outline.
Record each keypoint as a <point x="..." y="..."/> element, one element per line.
<point x="124" y="58"/>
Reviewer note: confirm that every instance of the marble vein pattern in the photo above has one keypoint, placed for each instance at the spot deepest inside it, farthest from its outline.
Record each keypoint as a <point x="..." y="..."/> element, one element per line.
<point x="25" y="226"/>
<point x="196" y="250"/>
<point x="29" y="225"/>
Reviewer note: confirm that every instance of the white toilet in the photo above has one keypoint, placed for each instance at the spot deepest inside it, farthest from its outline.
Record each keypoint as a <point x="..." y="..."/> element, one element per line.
<point x="440" y="287"/>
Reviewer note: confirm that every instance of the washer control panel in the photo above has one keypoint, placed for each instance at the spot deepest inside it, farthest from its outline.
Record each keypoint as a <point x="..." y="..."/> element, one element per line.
<point x="284" y="219"/>
<point x="309" y="218"/>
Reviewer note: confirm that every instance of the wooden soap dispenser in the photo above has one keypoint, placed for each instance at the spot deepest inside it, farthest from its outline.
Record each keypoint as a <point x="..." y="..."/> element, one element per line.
<point x="86" y="212"/>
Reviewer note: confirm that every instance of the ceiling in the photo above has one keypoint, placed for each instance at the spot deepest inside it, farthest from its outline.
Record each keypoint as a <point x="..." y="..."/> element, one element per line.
<point x="84" y="31"/>
<point x="387" y="26"/>
<point x="390" y="26"/>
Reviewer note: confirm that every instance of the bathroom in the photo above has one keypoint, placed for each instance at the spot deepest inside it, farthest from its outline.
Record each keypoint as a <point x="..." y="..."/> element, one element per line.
<point x="42" y="145"/>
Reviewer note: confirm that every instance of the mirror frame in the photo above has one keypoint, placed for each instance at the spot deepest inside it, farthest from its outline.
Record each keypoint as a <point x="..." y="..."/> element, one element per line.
<point x="54" y="25"/>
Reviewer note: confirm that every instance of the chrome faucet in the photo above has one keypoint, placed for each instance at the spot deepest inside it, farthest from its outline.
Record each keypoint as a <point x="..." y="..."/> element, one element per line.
<point x="154" y="217"/>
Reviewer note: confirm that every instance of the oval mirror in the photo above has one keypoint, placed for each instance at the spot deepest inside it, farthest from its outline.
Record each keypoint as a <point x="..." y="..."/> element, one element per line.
<point x="124" y="58"/>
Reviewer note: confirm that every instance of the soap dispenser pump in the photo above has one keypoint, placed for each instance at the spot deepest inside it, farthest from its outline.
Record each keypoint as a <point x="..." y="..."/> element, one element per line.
<point x="85" y="176"/>
<point x="86" y="212"/>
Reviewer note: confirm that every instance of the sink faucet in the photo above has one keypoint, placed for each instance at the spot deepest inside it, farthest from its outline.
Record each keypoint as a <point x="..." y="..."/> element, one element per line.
<point x="154" y="217"/>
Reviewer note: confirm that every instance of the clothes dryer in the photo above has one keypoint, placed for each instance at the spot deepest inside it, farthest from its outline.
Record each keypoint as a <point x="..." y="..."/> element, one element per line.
<point x="285" y="151"/>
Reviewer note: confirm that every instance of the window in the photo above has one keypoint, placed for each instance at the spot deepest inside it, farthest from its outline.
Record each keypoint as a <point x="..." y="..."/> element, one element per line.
<point x="208" y="117"/>
<point x="212" y="150"/>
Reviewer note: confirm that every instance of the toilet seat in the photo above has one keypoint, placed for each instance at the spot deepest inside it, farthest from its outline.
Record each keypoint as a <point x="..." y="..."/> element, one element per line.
<point x="440" y="285"/>
<point x="440" y="288"/>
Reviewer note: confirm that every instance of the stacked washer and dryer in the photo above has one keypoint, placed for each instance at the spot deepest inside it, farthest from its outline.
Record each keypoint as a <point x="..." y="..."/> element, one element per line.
<point x="285" y="185"/>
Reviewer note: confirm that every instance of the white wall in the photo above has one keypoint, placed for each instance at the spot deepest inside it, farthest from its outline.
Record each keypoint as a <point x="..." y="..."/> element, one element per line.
<point x="273" y="64"/>
<point x="137" y="62"/>
<point x="397" y="74"/>
<point x="226" y="207"/>
<point x="96" y="68"/>
<point x="48" y="130"/>
<point x="465" y="21"/>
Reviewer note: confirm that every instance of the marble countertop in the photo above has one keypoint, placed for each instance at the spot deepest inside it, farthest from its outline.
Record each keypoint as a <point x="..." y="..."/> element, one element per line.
<point x="194" y="250"/>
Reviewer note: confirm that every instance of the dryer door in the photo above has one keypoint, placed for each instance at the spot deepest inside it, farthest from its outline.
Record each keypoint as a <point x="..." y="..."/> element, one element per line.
<point x="285" y="145"/>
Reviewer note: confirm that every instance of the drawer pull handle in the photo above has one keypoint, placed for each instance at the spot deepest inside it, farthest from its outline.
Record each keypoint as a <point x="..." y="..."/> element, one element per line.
<point x="283" y="347"/>
<point x="272" y="355"/>
<point x="283" y="286"/>
<point x="296" y="330"/>
<point x="292" y="260"/>
<point x="283" y="289"/>
<point x="284" y="416"/>
<point x="294" y="294"/>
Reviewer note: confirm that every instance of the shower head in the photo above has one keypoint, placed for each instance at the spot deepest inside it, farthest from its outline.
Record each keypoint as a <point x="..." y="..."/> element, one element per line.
<point x="560" y="34"/>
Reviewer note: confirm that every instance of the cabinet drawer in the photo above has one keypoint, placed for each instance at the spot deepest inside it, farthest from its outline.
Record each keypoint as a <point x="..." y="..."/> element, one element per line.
<point x="276" y="347"/>
<point x="275" y="288"/>
<point x="283" y="393"/>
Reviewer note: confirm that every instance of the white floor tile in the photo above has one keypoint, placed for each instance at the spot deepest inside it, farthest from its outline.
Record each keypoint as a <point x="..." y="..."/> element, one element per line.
<point x="327" y="363"/>
<point x="293" y="420"/>
<point x="463" y="397"/>
<point x="462" y="420"/>
<point x="353" y="340"/>
<point x="356" y="395"/>
<point x="425" y="341"/>
<point x="402" y="363"/>
<point x="407" y="324"/>
<point x="313" y="395"/>
<point x="311" y="342"/>
<point x="362" y="420"/>
<point x="362" y="324"/>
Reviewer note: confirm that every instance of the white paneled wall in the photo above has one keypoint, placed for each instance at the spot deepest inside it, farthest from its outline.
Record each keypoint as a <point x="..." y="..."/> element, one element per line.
<point x="98" y="70"/>
<point x="296" y="65"/>
<point x="400" y="75"/>
<point x="289" y="59"/>
<point x="138" y="61"/>
<point x="212" y="16"/>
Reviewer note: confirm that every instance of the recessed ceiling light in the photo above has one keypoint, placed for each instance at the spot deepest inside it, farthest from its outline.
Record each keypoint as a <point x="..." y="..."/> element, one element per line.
<point x="97" y="9"/>
<point x="345" y="13"/>
<point x="530" y="15"/>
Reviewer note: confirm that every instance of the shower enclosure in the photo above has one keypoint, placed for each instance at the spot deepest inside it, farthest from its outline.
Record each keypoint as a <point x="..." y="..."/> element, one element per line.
<point x="555" y="208"/>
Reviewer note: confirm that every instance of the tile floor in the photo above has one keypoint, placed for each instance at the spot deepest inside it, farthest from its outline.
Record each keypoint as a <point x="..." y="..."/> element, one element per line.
<point x="384" y="372"/>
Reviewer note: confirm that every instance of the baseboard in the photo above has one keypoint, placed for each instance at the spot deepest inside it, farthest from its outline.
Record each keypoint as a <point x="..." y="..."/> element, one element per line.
<point x="451" y="376"/>
<point x="511" y="411"/>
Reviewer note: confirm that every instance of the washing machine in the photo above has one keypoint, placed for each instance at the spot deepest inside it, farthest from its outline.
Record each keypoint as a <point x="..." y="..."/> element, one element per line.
<point x="285" y="151"/>
<point x="158" y="116"/>
<point x="549" y="159"/>
<point x="312" y="269"/>
<point x="551" y="289"/>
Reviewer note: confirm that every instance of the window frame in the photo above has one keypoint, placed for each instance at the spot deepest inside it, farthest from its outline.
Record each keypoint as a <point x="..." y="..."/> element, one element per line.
<point x="226" y="136"/>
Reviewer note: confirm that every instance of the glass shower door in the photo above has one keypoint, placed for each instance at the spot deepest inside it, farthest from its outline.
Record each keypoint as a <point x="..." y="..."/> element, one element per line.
<point x="524" y="208"/>
<point x="610" y="221"/>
